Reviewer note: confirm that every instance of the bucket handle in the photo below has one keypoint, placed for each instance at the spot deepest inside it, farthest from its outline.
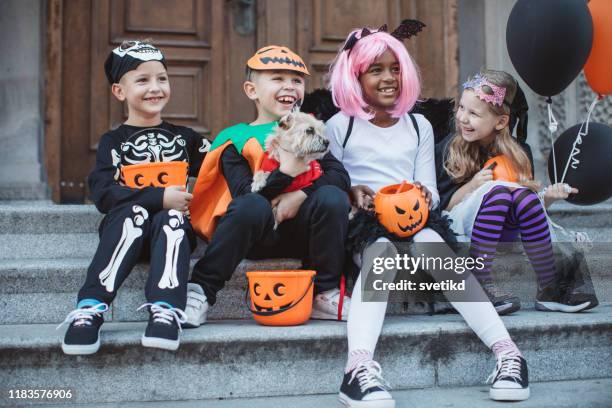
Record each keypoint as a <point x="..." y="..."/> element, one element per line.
<point x="275" y="312"/>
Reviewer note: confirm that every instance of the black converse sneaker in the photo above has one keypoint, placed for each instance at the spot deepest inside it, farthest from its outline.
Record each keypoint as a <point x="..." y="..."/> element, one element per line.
<point x="164" y="326"/>
<point x="510" y="379"/>
<point x="365" y="387"/>
<point x="83" y="334"/>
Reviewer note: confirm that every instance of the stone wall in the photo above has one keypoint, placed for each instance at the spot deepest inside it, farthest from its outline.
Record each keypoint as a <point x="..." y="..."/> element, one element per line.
<point x="21" y="99"/>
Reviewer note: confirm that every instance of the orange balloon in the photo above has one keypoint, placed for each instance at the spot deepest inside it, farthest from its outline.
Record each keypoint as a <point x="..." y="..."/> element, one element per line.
<point x="598" y="68"/>
<point x="502" y="168"/>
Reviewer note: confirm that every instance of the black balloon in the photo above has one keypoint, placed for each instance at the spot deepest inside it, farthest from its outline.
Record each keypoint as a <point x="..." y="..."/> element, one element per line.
<point x="549" y="42"/>
<point x="593" y="173"/>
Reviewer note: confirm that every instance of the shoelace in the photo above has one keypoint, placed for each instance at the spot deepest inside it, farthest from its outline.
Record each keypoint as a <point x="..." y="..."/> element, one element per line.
<point x="84" y="316"/>
<point x="369" y="375"/>
<point x="508" y="365"/>
<point x="164" y="315"/>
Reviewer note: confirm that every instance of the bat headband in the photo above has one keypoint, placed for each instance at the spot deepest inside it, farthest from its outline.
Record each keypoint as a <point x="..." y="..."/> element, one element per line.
<point x="406" y="29"/>
<point x="478" y="82"/>
<point x="129" y="56"/>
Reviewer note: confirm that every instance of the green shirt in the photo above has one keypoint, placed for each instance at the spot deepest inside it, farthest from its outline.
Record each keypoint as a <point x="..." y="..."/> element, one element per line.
<point x="239" y="134"/>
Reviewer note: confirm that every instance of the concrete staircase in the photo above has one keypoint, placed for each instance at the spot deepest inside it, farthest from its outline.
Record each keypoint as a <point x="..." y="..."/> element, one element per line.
<point x="45" y="250"/>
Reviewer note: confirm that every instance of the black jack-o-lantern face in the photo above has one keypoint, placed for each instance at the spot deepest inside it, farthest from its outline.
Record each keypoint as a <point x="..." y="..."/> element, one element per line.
<point x="402" y="213"/>
<point x="161" y="174"/>
<point x="271" y="295"/>
<point x="411" y="218"/>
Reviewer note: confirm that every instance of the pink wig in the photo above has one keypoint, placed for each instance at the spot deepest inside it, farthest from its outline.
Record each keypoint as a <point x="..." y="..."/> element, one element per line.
<point x="347" y="67"/>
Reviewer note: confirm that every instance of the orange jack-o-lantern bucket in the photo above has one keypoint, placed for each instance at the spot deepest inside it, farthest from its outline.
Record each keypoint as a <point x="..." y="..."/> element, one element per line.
<point x="502" y="168"/>
<point x="156" y="174"/>
<point x="401" y="209"/>
<point x="281" y="298"/>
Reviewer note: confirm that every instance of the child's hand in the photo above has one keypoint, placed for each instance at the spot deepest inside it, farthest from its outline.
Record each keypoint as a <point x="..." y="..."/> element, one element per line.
<point x="556" y="192"/>
<point x="176" y="198"/>
<point x="290" y="164"/>
<point x="362" y="197"/>
<point x="287" y="205"/>
<point x="424" y="192"/>
<point x="480" y="178"/>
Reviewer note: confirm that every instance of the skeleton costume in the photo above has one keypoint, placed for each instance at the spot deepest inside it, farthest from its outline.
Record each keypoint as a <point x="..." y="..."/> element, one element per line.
<point x="136" y="226"/>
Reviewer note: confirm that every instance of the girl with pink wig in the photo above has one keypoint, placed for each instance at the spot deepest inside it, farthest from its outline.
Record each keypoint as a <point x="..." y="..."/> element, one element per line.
<point x="375" y="84"/>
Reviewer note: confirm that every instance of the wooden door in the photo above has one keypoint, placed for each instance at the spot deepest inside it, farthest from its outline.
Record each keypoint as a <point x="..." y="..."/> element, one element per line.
<point x="206" y="44"/>
<point x="204" y="48"/>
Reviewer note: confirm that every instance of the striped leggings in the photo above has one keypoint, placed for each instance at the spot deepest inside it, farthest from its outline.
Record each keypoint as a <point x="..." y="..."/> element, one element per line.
<point x="505" y="213"/>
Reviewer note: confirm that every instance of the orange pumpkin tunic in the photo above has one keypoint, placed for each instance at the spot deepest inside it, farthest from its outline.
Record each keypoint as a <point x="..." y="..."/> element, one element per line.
<point x="211" y="194"/>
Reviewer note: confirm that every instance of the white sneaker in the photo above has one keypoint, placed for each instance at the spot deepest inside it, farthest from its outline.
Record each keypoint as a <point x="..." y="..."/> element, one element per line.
<point x="325" y="305"/>
<point x="197" y="306"/>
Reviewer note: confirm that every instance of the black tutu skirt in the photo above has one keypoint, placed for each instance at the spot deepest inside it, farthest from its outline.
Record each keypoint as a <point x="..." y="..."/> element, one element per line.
<point x="365" y="229"/>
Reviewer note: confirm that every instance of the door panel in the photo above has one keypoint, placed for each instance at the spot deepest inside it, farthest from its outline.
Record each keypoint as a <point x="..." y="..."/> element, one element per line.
<point x="206" y="44"/>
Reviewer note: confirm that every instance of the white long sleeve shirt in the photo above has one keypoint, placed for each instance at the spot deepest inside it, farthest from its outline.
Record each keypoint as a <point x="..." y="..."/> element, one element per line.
<point x="377" y="157"/>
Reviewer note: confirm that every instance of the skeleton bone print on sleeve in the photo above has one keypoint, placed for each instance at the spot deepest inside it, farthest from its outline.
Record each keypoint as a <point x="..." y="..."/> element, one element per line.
<point x="205" y="146"/>
<point x="174" y="237"/>
<point x="129" y="234"/>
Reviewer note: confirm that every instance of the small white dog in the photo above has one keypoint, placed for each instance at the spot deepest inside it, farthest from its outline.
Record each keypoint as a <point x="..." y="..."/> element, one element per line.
<point x="298" y="133"/>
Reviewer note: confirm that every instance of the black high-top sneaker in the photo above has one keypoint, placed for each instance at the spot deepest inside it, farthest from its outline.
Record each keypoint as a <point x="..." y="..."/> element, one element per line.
<point x="504" y="303"/>
<point x="83" y="334"/>
<point x="559" y="296"/>
<point x="510" y="379"/>
<point x="365" y="387"/>
<point x="164" y="326"/>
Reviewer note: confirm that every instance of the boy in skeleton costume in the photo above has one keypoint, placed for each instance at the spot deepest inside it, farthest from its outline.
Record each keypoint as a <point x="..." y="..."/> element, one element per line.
<point x="139" y="183"/>
<point x="312" y="221"/>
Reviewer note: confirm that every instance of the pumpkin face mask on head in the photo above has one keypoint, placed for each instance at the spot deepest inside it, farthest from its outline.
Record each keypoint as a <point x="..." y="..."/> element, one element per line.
<point x="502" y="169"/>
<point x="401" y="209"/>
<point x="277" y="57"/>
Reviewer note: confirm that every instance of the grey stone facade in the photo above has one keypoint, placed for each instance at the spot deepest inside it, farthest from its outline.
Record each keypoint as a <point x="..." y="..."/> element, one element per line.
<point x="21" y="99"/>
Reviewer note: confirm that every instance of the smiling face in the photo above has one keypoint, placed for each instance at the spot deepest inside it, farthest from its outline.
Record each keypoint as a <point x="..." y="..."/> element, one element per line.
<point x="381" y="82"/>
<point x="146" y="90"/>
<point x="274" y="92"/>
<point x="476" y="121"/>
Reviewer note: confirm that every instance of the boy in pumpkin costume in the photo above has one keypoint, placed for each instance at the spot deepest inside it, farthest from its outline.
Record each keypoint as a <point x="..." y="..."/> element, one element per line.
<point x="312" y="221"/>
<point x="139" y="183"/>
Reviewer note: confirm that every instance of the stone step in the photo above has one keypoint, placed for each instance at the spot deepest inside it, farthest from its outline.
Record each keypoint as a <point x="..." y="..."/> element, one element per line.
<point x="44" y="217"/>
<point x="558" y="394"/>
<point x="229" y="359"/>
<point x="45" y="290"/>
<point x="83" y="245"/>
<point x="576" y="216"/>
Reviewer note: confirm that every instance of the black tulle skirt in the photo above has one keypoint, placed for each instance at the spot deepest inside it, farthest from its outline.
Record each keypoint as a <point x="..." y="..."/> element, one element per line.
<point x="365" y="229"/>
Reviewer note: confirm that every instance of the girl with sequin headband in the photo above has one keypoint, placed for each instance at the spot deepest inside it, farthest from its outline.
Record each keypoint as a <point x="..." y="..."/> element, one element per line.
<point x="486" y="209"/>
<point x="375" y="84"/>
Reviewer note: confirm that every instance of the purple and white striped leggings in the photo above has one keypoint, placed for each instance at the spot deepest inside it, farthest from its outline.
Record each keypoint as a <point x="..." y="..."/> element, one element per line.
<point x="505" y="213"/>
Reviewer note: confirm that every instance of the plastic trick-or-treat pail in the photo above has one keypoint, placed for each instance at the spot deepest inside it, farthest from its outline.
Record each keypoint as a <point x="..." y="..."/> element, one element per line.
<point x="281" y="298"/>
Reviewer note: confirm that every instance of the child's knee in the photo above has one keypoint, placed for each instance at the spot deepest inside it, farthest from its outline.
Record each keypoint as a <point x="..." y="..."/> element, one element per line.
<point x="250" y="209"/>
<point x="138" y="215"/>
<point x="172" y="218"/>
<point x="331" y="200"/>
<point x="427" y="235"/>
